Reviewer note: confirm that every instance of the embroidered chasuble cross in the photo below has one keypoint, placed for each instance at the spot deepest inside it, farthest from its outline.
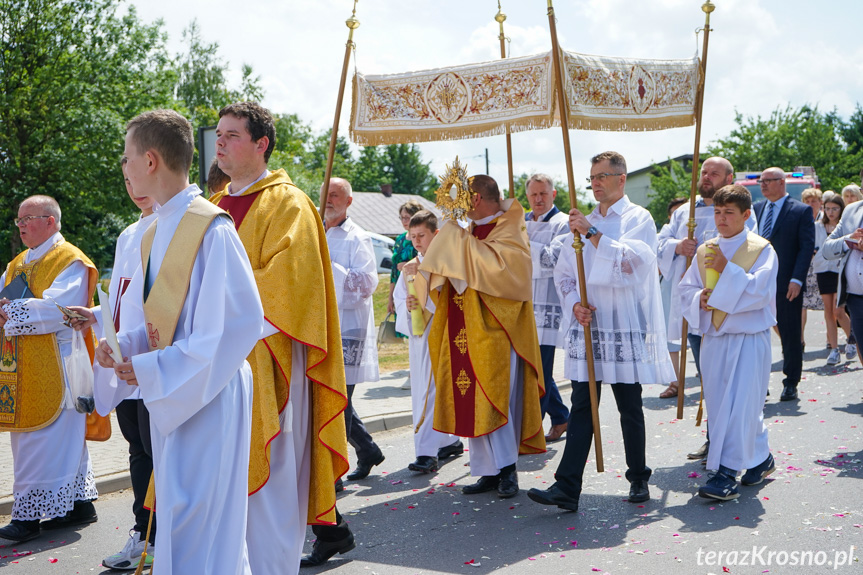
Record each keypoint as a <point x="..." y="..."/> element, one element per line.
<point x="463" y="374"/>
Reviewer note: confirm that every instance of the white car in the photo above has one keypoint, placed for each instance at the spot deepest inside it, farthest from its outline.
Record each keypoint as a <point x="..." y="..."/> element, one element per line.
<point x="383" y="252"/>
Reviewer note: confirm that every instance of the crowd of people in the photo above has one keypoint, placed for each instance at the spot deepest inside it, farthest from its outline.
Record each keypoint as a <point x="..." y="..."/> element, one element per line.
<point x="245" y="322"/>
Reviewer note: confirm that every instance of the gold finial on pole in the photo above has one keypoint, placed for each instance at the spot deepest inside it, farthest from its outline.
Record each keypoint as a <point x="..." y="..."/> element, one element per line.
<point x="577" y="244"/>
<point x="707" y="8"/>
<point x="352" y="23"/>
<point x="500" y="18"/>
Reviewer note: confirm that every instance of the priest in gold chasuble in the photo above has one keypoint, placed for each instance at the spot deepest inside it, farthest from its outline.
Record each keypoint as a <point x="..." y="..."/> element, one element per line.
<point x="52" y="470"/>
<point x="483" y="341"/>
<point x="298" y="447"/>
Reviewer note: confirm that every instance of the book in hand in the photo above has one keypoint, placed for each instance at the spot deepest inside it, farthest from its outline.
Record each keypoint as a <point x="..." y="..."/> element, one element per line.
<point x="17" y="289"/>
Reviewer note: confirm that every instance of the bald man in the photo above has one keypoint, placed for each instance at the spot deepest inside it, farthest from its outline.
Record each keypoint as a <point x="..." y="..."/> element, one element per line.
<point x="790" y="228"/>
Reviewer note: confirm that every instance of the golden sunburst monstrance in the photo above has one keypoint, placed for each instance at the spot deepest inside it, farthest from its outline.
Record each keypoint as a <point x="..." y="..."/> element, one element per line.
<point x="454" y="194"/>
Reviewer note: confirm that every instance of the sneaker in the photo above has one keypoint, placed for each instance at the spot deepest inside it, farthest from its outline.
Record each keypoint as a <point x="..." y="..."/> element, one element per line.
<point x="757" y="474"/>
<point x="850" y="351"/>
<point x="129" y="557"/>
<point x="833" y="358"/>
<point x="720" y="486"/>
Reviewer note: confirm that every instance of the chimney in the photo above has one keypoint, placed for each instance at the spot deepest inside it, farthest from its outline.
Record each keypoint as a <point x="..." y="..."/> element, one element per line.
<point x="387" y="190"/>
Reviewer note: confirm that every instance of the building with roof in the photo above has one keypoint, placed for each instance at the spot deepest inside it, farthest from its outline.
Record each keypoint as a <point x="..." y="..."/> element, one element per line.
<point x="378" y="212"/>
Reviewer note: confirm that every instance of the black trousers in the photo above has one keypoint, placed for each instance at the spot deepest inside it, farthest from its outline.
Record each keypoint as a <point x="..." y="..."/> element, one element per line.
<point x="358" y="435"/>
<point x="579" y="434"/>
<point x="333" y="533"/>
<point x="134" y="421"/>
<point x="788" y="322"/>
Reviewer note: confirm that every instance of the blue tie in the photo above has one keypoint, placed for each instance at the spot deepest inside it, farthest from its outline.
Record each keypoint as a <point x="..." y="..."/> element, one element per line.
<point x="768" y="223"/>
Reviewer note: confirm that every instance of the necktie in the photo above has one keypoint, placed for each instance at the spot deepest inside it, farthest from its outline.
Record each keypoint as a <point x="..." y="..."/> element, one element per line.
<point x="768" y="222"/>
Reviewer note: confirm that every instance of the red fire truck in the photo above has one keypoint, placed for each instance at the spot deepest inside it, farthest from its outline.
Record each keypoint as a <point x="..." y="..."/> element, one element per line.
<point x="801" y="178"/>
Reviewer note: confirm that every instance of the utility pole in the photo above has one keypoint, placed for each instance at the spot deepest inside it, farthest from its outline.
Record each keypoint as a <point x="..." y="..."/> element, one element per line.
<point x="487" y="173"/>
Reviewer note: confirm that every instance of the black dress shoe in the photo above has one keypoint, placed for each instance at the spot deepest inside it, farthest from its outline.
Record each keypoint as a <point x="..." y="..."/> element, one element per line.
<point x="365" y="467"/>
<point x="20" y="531"/>
<point x="638" y="492"/>
<point x="700" y="453"/>
<point x="789" y="393"/>
<point x="323" y="550"/>
<point x="81" y="514"/>
<point x="340" y="485"/>
<point x="485" y="483"/>
<point x="554" y="495"/>
<point x="508" y="486"/>
<point x="424" y="464"/>
<point x="454" y="449"/>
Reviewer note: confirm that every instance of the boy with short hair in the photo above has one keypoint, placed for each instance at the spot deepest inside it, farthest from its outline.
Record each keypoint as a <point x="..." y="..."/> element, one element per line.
<point x="735" y="317"/>
<point x="203" y="316"/>
<point x="431" y="446"/>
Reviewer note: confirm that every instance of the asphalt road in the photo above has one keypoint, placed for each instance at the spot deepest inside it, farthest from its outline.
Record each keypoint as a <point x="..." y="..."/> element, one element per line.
<point x="810" y="511"/>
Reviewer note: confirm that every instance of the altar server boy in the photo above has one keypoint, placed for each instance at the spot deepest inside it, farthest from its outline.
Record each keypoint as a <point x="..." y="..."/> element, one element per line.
<point x="431" y="446"/>
<point x="735" y="317"/>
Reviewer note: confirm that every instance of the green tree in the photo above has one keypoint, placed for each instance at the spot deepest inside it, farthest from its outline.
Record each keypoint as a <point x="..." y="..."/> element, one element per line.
<point x="793" y="137"/>
<point x="202" y="85"/>
<point x="72" y="72"/>
<point x="667" y="183"/>
<point x="407" y="172"/>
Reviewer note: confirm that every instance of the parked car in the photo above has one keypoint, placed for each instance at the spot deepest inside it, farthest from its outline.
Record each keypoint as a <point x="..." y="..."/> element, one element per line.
<point x="383" y="252"/>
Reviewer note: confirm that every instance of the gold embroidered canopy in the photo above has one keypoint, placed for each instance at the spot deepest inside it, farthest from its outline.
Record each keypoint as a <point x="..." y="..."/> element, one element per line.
<point x="485" y="99"/>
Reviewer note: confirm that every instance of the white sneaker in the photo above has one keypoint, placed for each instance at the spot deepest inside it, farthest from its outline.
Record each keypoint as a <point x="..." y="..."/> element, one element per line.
<point x="130" y="556"/>
<point x="833" y="358"/>
<point x="850" y="351"/>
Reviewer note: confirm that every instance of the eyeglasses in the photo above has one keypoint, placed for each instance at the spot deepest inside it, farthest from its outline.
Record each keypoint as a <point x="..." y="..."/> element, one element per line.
<point x="767" y="180"/>
<point x="833" y="209"/>
<point x="601" y="177"/>
<point x="27" y="219"/>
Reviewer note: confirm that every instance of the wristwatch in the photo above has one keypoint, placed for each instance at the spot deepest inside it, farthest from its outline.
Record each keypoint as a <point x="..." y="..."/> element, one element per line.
<point x="592" y="231"/>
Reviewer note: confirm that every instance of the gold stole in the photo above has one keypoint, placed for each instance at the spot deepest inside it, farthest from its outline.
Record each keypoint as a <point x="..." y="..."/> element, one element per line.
<point x="31" y="370"/>
<point x="164" y="303"/>
<point x="745" y="257"/>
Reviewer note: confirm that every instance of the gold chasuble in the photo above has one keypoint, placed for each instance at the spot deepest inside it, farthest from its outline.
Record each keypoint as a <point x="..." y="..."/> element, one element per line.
<point x="31" y="369"/>
<point x="472" y="332"/>
<point x="286" y="244"/>
<point x="745" y="257"/>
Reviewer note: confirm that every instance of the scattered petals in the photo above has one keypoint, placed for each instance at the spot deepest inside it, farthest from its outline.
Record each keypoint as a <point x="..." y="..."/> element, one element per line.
<point x="52" y="560"/>
<point x="694" y="474"/>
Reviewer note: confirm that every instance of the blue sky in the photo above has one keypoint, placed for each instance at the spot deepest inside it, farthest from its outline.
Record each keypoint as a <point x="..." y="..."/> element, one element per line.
<point x="762" y="54"/>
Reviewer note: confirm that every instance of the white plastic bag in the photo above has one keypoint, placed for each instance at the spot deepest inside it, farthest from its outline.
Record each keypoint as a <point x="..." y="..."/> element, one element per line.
<point x="79" y="373"/>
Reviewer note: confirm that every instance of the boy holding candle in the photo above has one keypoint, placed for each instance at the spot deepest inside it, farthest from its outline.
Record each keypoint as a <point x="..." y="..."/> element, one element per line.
<point x="735" y="317"/>
<point x="411" y="295"/>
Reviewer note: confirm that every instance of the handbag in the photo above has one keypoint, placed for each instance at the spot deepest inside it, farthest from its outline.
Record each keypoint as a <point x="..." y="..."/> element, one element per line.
<point x="387" y="331"/>
<point x="98" y="427"/>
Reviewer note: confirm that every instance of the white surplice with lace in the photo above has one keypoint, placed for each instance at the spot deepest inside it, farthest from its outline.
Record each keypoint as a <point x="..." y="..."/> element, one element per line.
<point x="51" y="465"/>
<point x="355" y="275"/>
<point x="628" y="327"/>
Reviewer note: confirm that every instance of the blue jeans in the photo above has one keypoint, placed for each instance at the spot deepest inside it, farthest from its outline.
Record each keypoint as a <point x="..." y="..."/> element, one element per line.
<point x="551" y="403"/>
<point x="695" y="346"/>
